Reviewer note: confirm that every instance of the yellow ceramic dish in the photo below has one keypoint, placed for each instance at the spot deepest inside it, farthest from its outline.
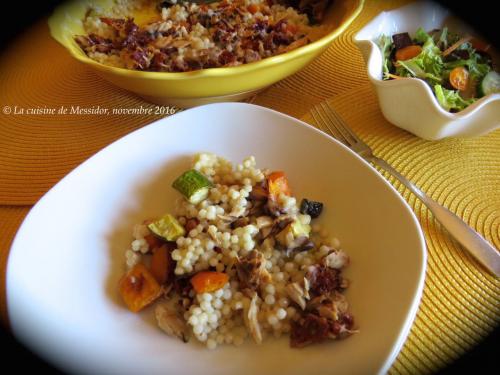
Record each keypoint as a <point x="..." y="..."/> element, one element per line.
<point x="207" y="85"/>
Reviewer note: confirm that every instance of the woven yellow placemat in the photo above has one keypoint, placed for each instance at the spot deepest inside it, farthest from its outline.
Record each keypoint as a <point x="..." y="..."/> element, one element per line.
<point x="460" y="304"/>
<point x="11" y="218"/>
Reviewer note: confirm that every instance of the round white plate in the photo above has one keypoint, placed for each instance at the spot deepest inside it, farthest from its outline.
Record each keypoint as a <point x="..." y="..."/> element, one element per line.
<point x="68" y="255"/>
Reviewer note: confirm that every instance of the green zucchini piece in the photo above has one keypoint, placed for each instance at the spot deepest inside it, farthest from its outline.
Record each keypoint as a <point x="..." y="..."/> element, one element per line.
<point x="193" y="185"/>
<point x="167" y="228"/>
<point x="490" y="83"/>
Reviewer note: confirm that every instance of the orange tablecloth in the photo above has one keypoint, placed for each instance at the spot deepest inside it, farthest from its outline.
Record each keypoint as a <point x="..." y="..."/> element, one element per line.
<point x="460" y="303"/>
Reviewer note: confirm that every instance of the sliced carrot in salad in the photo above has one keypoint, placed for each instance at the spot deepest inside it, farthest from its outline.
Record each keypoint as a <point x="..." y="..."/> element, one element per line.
<point x="208" y="281"/>
<point x="407" y="53"/>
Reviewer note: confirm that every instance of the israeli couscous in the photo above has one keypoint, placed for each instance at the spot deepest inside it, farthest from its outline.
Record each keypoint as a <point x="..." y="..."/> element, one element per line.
<point x="238" y="258"/>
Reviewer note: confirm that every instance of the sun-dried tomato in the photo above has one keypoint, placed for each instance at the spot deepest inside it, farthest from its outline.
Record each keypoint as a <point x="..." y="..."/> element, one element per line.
<point x="322" y="279"/>
<point x="309" y="329"/>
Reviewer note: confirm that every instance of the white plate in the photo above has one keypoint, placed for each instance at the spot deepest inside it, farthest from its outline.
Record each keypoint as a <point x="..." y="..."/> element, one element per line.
<point x="69" y="253"/>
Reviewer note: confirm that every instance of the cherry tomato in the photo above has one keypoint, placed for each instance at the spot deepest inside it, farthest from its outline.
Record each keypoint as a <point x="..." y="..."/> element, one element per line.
<point x="459" y="78"/>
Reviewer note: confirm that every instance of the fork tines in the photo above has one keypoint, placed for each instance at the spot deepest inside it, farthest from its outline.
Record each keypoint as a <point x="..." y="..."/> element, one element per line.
<point x="330" y="121"/>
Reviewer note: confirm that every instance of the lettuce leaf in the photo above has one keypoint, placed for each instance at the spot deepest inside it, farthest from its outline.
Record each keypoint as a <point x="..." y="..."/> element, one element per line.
<point x="428" y="65"/>
<point x="443" y="39"/>
<point x="450" y="99"/>
<point x="385" y="45"/>
<point x="421" y="36"/>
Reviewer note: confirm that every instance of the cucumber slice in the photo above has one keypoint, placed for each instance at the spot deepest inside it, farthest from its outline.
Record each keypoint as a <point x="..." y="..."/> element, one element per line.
<point x="167" y="228"/>
<point x="490" y="83"/>
<point x="193" y="185"/>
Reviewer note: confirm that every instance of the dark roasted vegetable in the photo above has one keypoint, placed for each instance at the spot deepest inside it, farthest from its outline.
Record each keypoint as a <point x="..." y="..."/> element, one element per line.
<point x="311" y="208"/>
<point x="401" y="40"/>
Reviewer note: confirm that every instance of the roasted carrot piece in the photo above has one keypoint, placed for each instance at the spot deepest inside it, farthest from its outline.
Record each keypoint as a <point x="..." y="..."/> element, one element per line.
<point x="153" y="241"/>
<point x="459" y="78"/>
<point x="408" y="52"/>
<point x="208" y="281"/>
<point x="278" y="184"/>
<point x="139" y="288"/>
<point x="161" y="264"/>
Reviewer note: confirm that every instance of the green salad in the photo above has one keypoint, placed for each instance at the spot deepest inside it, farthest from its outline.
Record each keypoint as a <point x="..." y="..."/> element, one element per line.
<point x="458" y="69"/>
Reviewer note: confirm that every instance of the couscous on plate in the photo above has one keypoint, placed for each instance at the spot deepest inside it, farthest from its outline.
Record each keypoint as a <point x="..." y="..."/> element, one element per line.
<point x="239" y="257"/>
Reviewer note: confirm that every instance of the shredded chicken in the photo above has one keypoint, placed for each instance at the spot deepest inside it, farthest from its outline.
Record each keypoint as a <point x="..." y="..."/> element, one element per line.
<point x="252" y="271"/>
<point x="251" y="321"/>
<point x="298" y="294"/>
<point x="170" y="322"/>
<point x="306" y="288"/>
<point x="264" y="222"/>
<point x="330" y="307"/>
<point x="337" y="260"/>
<point x="227" y="218"/>
<point x="299" y="244"/>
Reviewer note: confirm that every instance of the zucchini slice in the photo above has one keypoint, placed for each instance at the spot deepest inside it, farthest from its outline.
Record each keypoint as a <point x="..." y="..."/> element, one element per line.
<point x="167" y="228"/>
<point x="193" y="185"/>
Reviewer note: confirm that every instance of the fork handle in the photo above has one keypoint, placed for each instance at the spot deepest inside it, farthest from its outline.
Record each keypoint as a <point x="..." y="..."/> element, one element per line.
<point x="486" y="254"/>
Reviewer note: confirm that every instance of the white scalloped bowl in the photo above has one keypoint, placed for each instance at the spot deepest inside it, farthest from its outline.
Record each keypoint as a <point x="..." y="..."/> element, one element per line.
<point x="410" y="103"/>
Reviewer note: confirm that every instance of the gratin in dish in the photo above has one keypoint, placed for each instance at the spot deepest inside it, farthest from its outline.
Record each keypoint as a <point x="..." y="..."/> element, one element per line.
<point x="185" y="36"/>
<point x="201" y="86"/>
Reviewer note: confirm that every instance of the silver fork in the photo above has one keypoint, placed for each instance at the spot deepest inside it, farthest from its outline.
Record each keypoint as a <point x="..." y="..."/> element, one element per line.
<point x="330" y="121"/>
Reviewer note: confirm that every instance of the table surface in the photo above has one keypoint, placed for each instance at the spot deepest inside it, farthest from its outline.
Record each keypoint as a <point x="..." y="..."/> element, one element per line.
<point x="460" y="304"/>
